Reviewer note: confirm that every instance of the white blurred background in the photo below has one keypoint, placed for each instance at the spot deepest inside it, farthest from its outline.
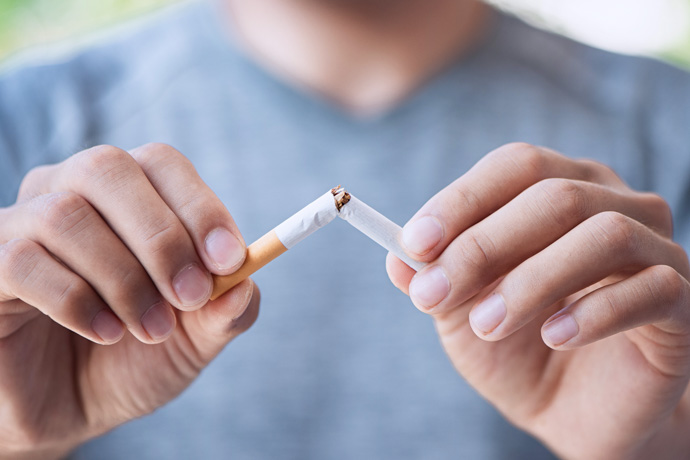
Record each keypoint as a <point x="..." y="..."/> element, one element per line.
<point x="653" y="27"/>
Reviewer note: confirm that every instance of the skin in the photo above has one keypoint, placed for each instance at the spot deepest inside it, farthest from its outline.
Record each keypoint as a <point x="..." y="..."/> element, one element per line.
<point x="152" y="218"/>
<point x="365" y="56"/>
<point x="81" y="351"/>
<point x="584" y="341"/>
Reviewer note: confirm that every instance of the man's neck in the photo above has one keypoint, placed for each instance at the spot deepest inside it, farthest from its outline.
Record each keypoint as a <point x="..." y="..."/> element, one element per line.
<point x="364" y="54"/>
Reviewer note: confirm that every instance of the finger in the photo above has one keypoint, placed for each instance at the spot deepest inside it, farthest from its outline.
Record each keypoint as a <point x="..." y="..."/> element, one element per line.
<point x="212" y="327"/>
<point x="658" y="295"/>
<point x="494" y="181"/>
<point x="112" y="181"/>
<point x="29" y="273"/>
<point x="70" y="229"/>
<point x="208" y="222"/>
<point x="605" y="245"/>
<point x="399" y="272"/>
<point x="526" y="225"/>
<point x="14" y="314"/>
<point x="34" y="182"/>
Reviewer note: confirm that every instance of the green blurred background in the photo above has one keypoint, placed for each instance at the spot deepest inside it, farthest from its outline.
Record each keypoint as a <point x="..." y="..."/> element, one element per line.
<point x="25" y="23"/>
<point x="679" y="54"/>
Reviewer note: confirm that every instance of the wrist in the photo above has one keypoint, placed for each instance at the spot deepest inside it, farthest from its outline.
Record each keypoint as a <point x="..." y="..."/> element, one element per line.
<point x="670" y="442"/>
<point x="36" y="452"/>
<point x="667" y="440"/>
<point x="34" y="455"/>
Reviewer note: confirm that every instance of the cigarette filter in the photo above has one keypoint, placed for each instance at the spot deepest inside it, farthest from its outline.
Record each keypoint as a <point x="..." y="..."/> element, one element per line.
<point x="336" y="202"/>
<point x="286" y="235"/>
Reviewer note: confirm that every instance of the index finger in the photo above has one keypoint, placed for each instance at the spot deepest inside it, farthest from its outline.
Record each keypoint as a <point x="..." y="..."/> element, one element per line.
<point x="494" y="181"/>
<point x="113" y="182"/>
<point x="217" y="239"/>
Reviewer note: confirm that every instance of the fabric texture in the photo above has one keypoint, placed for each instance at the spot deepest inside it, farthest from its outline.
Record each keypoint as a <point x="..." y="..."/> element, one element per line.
<point x="339" y="364"/>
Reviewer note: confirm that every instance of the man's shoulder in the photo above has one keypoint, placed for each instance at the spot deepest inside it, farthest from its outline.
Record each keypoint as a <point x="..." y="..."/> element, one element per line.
<point x="604" y="80"/>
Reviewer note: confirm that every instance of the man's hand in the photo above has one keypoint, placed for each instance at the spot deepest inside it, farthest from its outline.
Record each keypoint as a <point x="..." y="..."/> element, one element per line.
<point x="531" y="252"/>
<point x="109" y="248"/>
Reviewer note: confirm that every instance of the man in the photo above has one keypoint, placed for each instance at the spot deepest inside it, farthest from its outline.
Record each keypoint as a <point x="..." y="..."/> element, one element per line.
<point x="555" y="288"/>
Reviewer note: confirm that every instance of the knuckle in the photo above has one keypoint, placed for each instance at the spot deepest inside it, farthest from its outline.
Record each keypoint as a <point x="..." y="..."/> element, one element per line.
<point x="103" y="163"/>
<point x="160" y="148"/>
<point x="661" y="214"/>
<point x="610" y="307"/>
<point x="17" y="257"/>
<point x="74" y="293"/>
<point x="513" y="148"/>
<point x="670" y="285"/>
<point x="100" y="157"/>
<point x="477" y="250"/>
<point x="195" y="200"/>
<point x="59" y="214"/>
<point x="31" y="178"/>
<point x="681" y="262"/>
<point x="568" y="198"/>
<point x="462" y="202"/>
<point x="162" y="235"/>
<point x="33" y="182"/>
<point x="596" y="171"/>
<point x="617" y="231"/>
<point x="133" y="287"/>
<point x="154" y="153"/>
<point x="530" y="159"/>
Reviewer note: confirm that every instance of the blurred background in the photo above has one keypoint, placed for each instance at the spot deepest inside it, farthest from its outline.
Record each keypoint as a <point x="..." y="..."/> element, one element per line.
<point x="652" y="27"/>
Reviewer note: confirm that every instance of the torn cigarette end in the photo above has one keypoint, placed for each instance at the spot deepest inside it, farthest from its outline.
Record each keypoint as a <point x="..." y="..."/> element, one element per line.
<point x="259" y="253"/>
<point x="305" y="222"/>
<point x="341" y="197"/>
<point x="377" y="227"/>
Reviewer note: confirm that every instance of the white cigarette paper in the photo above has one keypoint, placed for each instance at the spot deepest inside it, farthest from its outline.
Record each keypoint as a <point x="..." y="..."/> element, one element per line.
<point x="317" y="214"/>
<point x="274" y="243"/>
<point x="377" y="227"/>
<point x="312" y="217"/>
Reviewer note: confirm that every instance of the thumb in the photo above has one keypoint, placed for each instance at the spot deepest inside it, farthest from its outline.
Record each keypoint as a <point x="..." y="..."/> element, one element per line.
<point x="212" y="327"/>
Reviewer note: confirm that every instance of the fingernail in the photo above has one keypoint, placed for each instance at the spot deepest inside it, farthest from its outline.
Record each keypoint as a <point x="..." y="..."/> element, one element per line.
<point x="560" y="330"/>
<point x="224" y="249"/>
<point x="487" y="316"/>
<point x="108" y="327"/>
<point x="422" y="235"/>
<point x="192" y="286"/>
<point x="159" y="321"/>
<point x="429" y="287"/>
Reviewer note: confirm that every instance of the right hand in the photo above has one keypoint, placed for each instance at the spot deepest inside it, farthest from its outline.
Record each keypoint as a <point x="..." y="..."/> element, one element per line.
<point x="117" y="249"/>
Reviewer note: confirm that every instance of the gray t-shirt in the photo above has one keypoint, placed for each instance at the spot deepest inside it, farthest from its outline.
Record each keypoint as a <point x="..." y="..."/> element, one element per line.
<point x="339" y="363"/>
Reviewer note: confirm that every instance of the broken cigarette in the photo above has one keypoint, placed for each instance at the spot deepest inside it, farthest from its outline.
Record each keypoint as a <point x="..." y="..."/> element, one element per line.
<point x="323" y="210"/>
<point x="377" y="227"/>
<point x="286" y="235"/>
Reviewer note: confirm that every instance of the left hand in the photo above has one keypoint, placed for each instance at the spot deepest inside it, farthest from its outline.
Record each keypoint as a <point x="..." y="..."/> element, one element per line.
<point x="559" y="294"/>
